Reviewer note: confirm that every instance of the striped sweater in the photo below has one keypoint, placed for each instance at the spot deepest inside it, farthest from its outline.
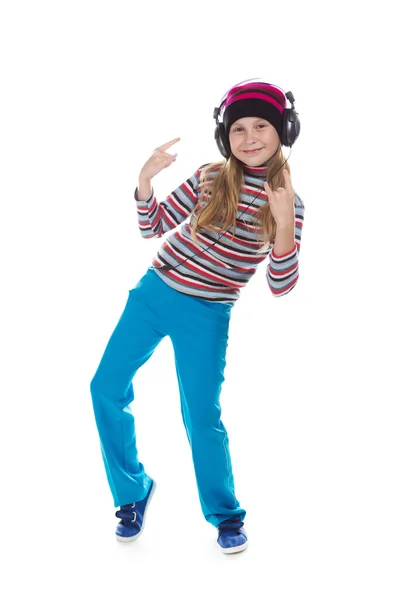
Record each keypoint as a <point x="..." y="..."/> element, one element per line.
<point x="220" y="272"/>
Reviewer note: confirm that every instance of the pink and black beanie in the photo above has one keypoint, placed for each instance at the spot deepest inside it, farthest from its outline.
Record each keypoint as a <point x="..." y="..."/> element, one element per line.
<point x="255" y="100"/>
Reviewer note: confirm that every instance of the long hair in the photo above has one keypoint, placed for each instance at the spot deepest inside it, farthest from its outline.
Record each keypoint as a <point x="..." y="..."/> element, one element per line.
<point x="219" y="197"/>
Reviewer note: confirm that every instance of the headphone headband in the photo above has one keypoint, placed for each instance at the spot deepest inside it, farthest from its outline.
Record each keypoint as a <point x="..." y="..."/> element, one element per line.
<point x="255" y="81"/>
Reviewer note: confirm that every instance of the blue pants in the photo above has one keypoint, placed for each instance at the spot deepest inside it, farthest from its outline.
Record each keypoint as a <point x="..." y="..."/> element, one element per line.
<point x="198" y="330"/>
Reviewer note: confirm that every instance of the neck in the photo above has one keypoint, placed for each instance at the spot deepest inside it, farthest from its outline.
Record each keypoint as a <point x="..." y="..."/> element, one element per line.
<point x="255" y="171"/>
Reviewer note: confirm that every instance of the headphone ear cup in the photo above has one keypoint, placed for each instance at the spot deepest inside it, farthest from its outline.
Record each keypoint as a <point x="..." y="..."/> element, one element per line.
<point x="222" y="142"/>
<point x="290" y="127"/>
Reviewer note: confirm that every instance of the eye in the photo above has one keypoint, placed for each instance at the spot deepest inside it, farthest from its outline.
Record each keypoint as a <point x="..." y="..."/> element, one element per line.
<point x="259" y="125"/>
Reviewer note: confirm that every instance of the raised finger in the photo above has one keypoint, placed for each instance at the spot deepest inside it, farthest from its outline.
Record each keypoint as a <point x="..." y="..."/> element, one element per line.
<point x="267" y="188"/>
<point x="288" y="182"/>
<point x="168" y="144"/>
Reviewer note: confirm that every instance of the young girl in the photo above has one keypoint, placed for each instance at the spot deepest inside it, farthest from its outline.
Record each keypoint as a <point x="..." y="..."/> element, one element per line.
<point x="232" y="215"/>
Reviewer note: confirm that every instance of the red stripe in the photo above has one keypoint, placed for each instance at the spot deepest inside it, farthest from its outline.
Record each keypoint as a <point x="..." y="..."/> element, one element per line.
<point x="154" y="224"/>
<point x="196" y="285"/>
<point x="253" y="192"/>
<point x="284" y="272"/>
<point x="177" y="206"/>
<point x="152" y="204"/>
<point x="284" y="289"/>
<point x="189" y="191"/>
<point x="246" y="210"/>
<point x="274" y="255"/>
<point x="258" y="95"/>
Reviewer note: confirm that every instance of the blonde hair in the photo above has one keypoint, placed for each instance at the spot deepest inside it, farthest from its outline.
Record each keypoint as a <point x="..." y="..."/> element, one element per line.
<point x="219" y="197"/>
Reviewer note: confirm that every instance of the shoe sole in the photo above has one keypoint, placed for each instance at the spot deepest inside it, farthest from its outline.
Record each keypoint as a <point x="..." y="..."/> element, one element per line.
<point x="135" y="537"/>
<point x="234" y="549"/>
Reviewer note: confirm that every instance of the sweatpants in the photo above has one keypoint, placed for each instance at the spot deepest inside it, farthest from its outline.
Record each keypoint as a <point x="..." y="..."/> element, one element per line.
<point x="198" y="330"/>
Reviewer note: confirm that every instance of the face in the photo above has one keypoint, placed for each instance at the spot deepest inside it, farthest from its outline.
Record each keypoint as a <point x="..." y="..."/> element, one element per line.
<point x="253" y="140"/>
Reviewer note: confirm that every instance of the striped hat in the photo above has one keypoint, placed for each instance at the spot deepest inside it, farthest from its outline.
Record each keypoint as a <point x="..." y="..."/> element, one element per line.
<point x="255" y="99"/>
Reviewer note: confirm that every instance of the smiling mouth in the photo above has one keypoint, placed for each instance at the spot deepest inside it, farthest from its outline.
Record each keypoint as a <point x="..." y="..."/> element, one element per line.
<point x="254" y="150"/>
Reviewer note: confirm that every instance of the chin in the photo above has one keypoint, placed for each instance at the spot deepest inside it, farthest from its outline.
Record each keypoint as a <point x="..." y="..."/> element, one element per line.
<point x="253" y="163"/>
<point x="256" y="161"/>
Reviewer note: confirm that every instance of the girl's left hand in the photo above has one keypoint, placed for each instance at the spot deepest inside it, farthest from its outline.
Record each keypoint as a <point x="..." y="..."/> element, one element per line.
<point x="281" y="201"/>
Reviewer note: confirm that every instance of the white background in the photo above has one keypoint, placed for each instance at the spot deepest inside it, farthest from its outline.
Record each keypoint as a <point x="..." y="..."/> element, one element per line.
<point x="311" y="395"/>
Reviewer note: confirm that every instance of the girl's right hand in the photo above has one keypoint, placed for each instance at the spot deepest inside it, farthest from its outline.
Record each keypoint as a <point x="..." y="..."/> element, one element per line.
<point x="159" y="160"/>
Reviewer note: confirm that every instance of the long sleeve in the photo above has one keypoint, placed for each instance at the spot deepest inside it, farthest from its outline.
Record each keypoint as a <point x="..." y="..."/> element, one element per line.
<point x="283" y="271"/>
<point x="156" y="218"/>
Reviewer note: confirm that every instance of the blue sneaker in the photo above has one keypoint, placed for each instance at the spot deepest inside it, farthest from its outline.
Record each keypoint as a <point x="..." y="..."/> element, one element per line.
<point x="232" y="536"/>
<point x="132" y="518"/>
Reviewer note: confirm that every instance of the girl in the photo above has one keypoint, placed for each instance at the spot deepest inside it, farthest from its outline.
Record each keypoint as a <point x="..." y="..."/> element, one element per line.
<point x="230" y="220"/>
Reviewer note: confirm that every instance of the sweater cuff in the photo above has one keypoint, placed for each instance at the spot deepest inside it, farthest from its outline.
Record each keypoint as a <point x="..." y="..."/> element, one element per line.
<point x="283" y="256"/>
<point x="137" y="198"/>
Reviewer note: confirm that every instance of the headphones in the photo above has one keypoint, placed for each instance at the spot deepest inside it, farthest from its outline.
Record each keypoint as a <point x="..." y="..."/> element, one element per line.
<point x="290" y="127"/>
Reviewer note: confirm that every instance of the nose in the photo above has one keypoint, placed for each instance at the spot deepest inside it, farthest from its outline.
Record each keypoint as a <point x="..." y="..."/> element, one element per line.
<point x="249" y="137"/>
